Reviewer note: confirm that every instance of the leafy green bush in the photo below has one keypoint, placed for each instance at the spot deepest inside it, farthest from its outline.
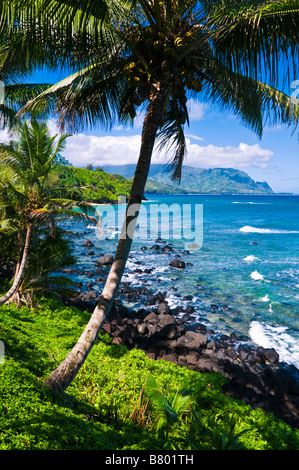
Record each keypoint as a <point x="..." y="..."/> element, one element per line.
<point x="86" y="185"/>
<point x="106" y="407"/>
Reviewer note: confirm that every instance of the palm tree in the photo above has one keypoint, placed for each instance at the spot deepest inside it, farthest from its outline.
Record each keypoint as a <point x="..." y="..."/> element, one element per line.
<point x="14" y="70"/>
<point x="48" y="255"/>
<point x="155" y="55"/>
<point x="24" y="202"/>
<point x="170" y="409"/>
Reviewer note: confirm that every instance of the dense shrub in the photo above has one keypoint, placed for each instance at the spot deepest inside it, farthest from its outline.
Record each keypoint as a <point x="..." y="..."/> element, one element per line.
<point x="86" y="185"/>
<point x="106" y="407"/>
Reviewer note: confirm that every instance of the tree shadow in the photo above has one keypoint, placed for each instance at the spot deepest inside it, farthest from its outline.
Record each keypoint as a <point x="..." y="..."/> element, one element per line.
<point x="74" y="425"/>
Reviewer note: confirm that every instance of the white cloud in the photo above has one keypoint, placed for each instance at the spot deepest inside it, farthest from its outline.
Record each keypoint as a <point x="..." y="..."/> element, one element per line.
<point x="242" y="156"/>
<point x="83" y="149"/>
<point x="118" y="150"/>
<point x="191" y="136"/>
<point x="196" y="110"/>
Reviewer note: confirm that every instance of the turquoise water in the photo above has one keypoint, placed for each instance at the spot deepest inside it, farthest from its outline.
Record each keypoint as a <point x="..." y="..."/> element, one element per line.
<point x="244" y="278"/>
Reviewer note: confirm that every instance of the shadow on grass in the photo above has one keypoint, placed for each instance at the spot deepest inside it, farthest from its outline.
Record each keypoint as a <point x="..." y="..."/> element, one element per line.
<point x="69" y="424"/>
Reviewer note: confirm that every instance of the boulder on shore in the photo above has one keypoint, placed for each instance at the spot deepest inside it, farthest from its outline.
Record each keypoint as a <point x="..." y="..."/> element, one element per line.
<point x="177" y="263"/>
<point x="88" y="243"/>
<point x="106" y="259"/>
<point x="191" y="340"/>
<point x="163" y="308"/>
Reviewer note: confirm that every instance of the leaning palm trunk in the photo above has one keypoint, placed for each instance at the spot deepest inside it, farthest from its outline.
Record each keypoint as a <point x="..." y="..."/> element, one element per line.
<point x="62" y="377"/>
<point x="20" y="268"/>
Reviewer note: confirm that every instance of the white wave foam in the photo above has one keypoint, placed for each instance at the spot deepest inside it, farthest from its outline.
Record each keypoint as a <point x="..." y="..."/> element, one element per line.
<point x="251" y="258"/>
<point x="249" y="229"/>
<point x="255" y="203"/>
<point x="276" y="337"/>
<point x="172" y="300"/>
<point x="265" y="299"/>
<point x="256" y="276"/>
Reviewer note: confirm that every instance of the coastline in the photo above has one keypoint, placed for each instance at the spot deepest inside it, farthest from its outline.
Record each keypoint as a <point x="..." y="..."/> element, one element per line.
<point x="254" y="375"/>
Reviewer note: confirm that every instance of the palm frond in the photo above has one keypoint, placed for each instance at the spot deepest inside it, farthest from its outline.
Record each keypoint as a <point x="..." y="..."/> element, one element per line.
<point x="8" y="119"/>
<point x="88" y="95"/>
<point x="43" y="217"/>
<point x="165" y="413"/>
<point x="252" y="101"/>
<point x="18" y="94"/>
<point x="255" y="38"/>
<point x="171" y="136"/>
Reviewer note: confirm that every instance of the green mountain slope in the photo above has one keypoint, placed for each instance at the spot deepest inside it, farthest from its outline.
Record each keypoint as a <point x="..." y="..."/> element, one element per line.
<point x="87" y="185"/>
<point x="197" y="180"/>
<point x="215" y="181"/>
<point x="101" y="186"/>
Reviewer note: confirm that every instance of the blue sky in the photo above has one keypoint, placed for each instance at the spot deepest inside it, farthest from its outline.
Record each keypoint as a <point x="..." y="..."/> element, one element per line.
<point x="215" y="139"/>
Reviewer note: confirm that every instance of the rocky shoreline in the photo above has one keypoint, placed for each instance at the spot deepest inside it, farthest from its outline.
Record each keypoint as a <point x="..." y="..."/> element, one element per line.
<point x="255" y="375"/>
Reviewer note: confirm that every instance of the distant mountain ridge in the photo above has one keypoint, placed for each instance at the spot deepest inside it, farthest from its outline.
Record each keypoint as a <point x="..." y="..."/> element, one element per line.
<point x="196" y="180"/>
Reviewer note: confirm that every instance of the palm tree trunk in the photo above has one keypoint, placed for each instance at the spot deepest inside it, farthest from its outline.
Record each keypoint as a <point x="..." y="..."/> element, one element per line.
<point x="62" y="377"/>
<point x="20" y="268"/>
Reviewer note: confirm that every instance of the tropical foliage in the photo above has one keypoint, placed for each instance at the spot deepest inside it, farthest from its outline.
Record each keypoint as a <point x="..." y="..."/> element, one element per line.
<point x="25" y="204"/>
<point x="86" y="185"/>
<point x="170" y="410"/>
<point x="103" y="409"/>
<point x="229" y="52"/>
<point x="48" y="255"/>
<point x="153" y="55"/>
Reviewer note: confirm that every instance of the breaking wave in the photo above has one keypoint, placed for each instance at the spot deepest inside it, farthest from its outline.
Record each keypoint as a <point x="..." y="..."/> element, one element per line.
<point x="276" y="337"/>
<point x="249" y="229"/>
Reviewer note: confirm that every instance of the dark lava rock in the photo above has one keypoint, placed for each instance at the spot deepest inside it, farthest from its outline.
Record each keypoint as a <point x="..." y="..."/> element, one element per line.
<point x="195" y="340"/>
<point x="143" y="329"/>
<point x="177" y="263"/>
<point x="88" y="243"/>
<point x="151" y="318"/>
<point x="188" y="297"/>
<point x="253" y="375"/>
<point x="163" y="308"/>
<point x="190" y="309"/>
<point x="166" y="249"/>
<point x="191" y="340"/>
<point x="269" y="354"/>
<point x="170" y="357"/>
<point x="106" y="259"/>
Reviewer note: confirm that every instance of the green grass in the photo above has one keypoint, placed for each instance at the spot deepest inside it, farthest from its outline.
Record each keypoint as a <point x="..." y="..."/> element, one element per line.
<point x="105" y="408"/>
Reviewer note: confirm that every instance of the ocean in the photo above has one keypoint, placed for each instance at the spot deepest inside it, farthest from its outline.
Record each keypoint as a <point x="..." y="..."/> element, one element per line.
<point x="241" y="256"/>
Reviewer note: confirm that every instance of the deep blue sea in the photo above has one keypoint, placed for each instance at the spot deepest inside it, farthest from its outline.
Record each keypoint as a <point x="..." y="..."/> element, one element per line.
<point x="242" y="277"/>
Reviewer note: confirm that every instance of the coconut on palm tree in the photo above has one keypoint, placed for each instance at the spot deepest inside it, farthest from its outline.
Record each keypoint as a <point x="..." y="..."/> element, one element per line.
<point x="24" y="201"/>
<point x="154" y="55"/>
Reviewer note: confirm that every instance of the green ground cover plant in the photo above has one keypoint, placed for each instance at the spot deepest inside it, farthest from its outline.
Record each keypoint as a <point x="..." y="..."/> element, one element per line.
<point x="108" y="406"/>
